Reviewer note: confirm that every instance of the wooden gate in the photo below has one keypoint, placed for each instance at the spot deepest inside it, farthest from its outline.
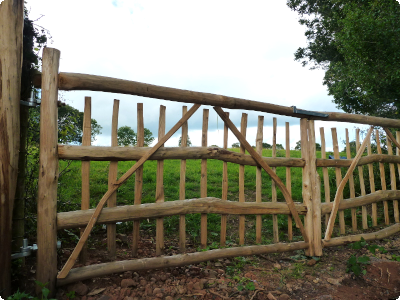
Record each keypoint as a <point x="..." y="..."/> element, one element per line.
<point x="49" y="221"/>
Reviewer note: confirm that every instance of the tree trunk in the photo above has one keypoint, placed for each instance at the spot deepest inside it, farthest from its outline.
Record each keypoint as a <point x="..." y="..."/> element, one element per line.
<point x="11" y="28"/>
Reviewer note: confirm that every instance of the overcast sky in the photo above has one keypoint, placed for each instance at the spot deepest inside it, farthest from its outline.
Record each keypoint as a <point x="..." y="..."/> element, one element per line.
<point x="233" y="48"/>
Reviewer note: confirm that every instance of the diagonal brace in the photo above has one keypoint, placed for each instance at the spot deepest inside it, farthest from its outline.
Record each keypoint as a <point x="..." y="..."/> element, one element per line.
<point x="71" y="260"/>
<point x="336" y="202"/>
<point x="267" y="169"/>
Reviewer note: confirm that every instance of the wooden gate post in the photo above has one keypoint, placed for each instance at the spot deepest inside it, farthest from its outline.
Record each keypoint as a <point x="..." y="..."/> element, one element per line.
<point x="48" y="172"/>
<point x="307" y="189"/>
<point x="11" y="34"/>
<point x="311" y="188"/>
<point x="316" y="190"/>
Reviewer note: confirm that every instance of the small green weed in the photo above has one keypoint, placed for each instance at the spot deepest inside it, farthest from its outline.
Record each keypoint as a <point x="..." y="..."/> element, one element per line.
<point x="71" y="295"/>
<point x="396" y="257"/>
<point x="22" y="295"/>
<point x="356" y="262"/>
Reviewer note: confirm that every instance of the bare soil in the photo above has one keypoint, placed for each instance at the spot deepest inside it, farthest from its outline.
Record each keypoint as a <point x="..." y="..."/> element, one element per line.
<point x="288" y="275"/>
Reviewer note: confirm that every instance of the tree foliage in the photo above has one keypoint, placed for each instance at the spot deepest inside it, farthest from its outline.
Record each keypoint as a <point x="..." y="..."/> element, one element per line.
<point x="235" y="145"/>
<point x="266" y="146"/>
<point x="70" y="125"/>
<point x="188" y="142"/>
<point x="357" y="43"/>
<point x="127" y="136"/>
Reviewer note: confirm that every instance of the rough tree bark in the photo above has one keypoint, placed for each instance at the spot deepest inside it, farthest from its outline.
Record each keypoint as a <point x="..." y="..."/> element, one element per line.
<point x="11" y="34"/>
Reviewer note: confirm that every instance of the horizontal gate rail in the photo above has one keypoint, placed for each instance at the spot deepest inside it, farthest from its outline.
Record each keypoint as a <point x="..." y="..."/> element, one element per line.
<point x="76" y="81"/>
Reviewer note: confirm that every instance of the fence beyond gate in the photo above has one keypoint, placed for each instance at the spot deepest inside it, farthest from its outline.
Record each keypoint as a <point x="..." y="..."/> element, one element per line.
<point x="310" y="216"/>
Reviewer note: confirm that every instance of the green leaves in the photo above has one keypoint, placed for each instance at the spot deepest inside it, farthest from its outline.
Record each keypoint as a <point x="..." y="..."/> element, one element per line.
<point x="356" y="264"/>
<point x="357" y="43"/>
<point x="127" y="136"/>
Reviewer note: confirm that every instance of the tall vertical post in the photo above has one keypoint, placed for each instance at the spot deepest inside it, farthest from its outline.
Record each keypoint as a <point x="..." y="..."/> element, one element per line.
<point x="112" y="179"/>
<point x="11" y="24"/>
<point x="316" y="191"/>
<point x="307" y="185"/>
<point x="85" y="169"/>
<point x="48" y="172"/>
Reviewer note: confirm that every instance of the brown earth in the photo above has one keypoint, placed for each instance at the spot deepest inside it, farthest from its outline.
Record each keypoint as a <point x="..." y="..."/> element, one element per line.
<point x="277" y="276"/>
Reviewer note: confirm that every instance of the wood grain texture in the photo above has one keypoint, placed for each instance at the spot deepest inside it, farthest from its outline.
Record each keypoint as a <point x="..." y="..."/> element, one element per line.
<point x="338" y="171"/>
<point x="307" y="187"/>
<point x="372" y="186"/>
<point x="112" y="179"/>
<point x="383" y="179"/>
<point x="254" y="154"/>
<point x="71" y="260"/>
<point x="396" y="209"/>
<point x="92" y="271"/>
<point x="48" y="172"/>
<point x="362" y="184"/>
<point x="242" y="219"/>
<point x="11" y="49"/>
<point x="75" y="81"/>
<point x="351" y="185"/>
<point x="341" y="185"/>
<point x="160" y="185"/>
<point x="375" y="197"/>
<point x="99" y="153"/>
<point x="182" y="185"/>
<point x="274" y="196"/>
<point x="325" y="172"/>
<point x="85" y="169"/>
<point x="138" y="179"/>
<point x="393" y="180"/>
<point x="224" y="186"/>
<point x="378" y="235"/>
<point x="316" y="191"/>
<point x="288" y="179"/>
<point x="209" y="205"/>
<point x="259" y="140"/>
<point x="203" y="180"/>
<point x="76" y="219"/>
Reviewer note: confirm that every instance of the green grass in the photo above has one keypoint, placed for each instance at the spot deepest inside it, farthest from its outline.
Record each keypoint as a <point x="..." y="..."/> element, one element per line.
<point x="69" y="193"/>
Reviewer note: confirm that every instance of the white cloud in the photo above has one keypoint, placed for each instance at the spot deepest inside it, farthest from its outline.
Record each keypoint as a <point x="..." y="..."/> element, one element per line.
<point x="233" y="48"/>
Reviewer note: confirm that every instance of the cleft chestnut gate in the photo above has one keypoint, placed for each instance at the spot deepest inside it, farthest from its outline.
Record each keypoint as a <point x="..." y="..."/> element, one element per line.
<point x="310" y="216"/>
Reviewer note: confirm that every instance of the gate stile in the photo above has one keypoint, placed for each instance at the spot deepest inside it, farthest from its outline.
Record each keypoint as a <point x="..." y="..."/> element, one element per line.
<point x="312" y="208"/>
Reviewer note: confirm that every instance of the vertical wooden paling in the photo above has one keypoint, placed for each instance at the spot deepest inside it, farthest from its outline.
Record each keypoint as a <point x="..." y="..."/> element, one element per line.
<point x="336" y="154"/>
<point x="274" y="196"/>
<point x="372" y="186"/>
<point x="288" y="180"/>
<point x="398" y="150"/>
<point x="203" y="180"/>
<point x="325" y="172"/>
<point x="362" y="184"/>
<point x="182" y="192"/>
<point x="259" y="140"/>
<point x="224" y="185"/>
<point x="306" y="188"/>
<point x="86" y="141"/>
<point x="112" y="179"/>
<point x="351" y="184"/>
<point x="138" y="179"/>
<point x="393" y="181"/>
<point x="383" y="179"/>
<point x="48" y="172"/>
<point x="242" y="219"/>
<point x="315" y="189"/>
<point x="160" y="186"/>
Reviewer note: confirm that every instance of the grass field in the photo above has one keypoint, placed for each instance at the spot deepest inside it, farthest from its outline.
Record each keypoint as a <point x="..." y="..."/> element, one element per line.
<point x="69" y="192"/>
